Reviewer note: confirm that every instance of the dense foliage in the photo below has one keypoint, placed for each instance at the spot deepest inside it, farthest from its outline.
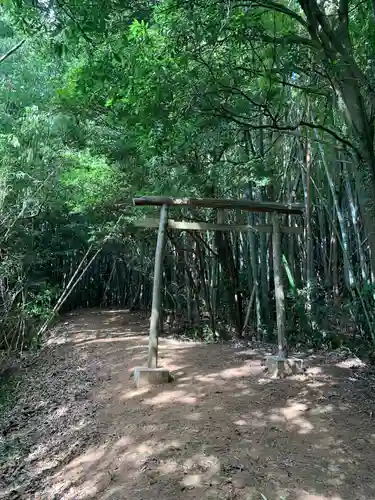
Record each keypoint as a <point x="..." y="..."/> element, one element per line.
<point x="259" y="99"/>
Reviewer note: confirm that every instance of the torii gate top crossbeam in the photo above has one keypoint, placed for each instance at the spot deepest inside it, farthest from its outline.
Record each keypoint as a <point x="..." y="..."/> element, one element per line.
<point x="247" y="205"/>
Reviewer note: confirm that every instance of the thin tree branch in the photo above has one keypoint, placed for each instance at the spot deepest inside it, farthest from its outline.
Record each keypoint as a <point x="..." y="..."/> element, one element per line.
<point x="275" y="6"/>
<point x="69" y="13"/>
<point x="225" y="113"/>
<point x="12" y="50"/>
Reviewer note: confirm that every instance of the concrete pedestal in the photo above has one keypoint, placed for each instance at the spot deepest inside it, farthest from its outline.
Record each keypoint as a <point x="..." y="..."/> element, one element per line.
<point x="278" y="367"/>
<point x="144" y="376"/>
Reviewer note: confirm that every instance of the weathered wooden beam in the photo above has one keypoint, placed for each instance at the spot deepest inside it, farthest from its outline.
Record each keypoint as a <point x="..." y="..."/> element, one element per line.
<point x="150" y="223"/>
<point x="248" y="205"/>
<point x="153" y="340"/>
<point x="279" y="288"/>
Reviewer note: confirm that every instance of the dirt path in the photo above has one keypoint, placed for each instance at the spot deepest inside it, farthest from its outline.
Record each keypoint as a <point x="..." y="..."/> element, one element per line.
<point x="220" y="431"/>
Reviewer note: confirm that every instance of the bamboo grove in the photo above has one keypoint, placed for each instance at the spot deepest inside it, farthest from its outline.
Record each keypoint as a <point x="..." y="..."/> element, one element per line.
<point x="256" y="100"/>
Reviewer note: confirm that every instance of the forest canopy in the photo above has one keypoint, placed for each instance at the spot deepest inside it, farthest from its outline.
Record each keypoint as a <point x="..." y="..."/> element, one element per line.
<point x="263" y="100"/>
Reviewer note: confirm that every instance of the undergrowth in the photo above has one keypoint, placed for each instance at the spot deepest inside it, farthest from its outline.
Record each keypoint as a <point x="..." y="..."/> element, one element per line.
<point x="9" y="381"/>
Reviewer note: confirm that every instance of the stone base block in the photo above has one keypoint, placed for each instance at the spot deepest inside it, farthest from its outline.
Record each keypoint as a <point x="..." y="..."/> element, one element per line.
<point x="144" y="376"/>
<point x="279" y="367"/>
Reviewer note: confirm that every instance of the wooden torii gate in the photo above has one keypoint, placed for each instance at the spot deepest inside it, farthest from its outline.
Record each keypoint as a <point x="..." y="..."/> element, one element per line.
<point x="246" y="205"/>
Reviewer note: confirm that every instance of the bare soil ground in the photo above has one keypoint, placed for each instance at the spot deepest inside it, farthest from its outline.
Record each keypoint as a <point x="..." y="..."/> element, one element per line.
<point x="221" y="430"/>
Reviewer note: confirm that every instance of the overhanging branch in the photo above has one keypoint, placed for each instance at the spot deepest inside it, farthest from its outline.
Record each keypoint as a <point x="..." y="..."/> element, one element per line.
<point x="225" y="113"/>
<point x="275" y="6"/>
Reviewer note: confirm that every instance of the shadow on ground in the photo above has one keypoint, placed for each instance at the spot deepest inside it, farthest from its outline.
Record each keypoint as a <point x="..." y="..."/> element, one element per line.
<point x="221" y="430"/>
